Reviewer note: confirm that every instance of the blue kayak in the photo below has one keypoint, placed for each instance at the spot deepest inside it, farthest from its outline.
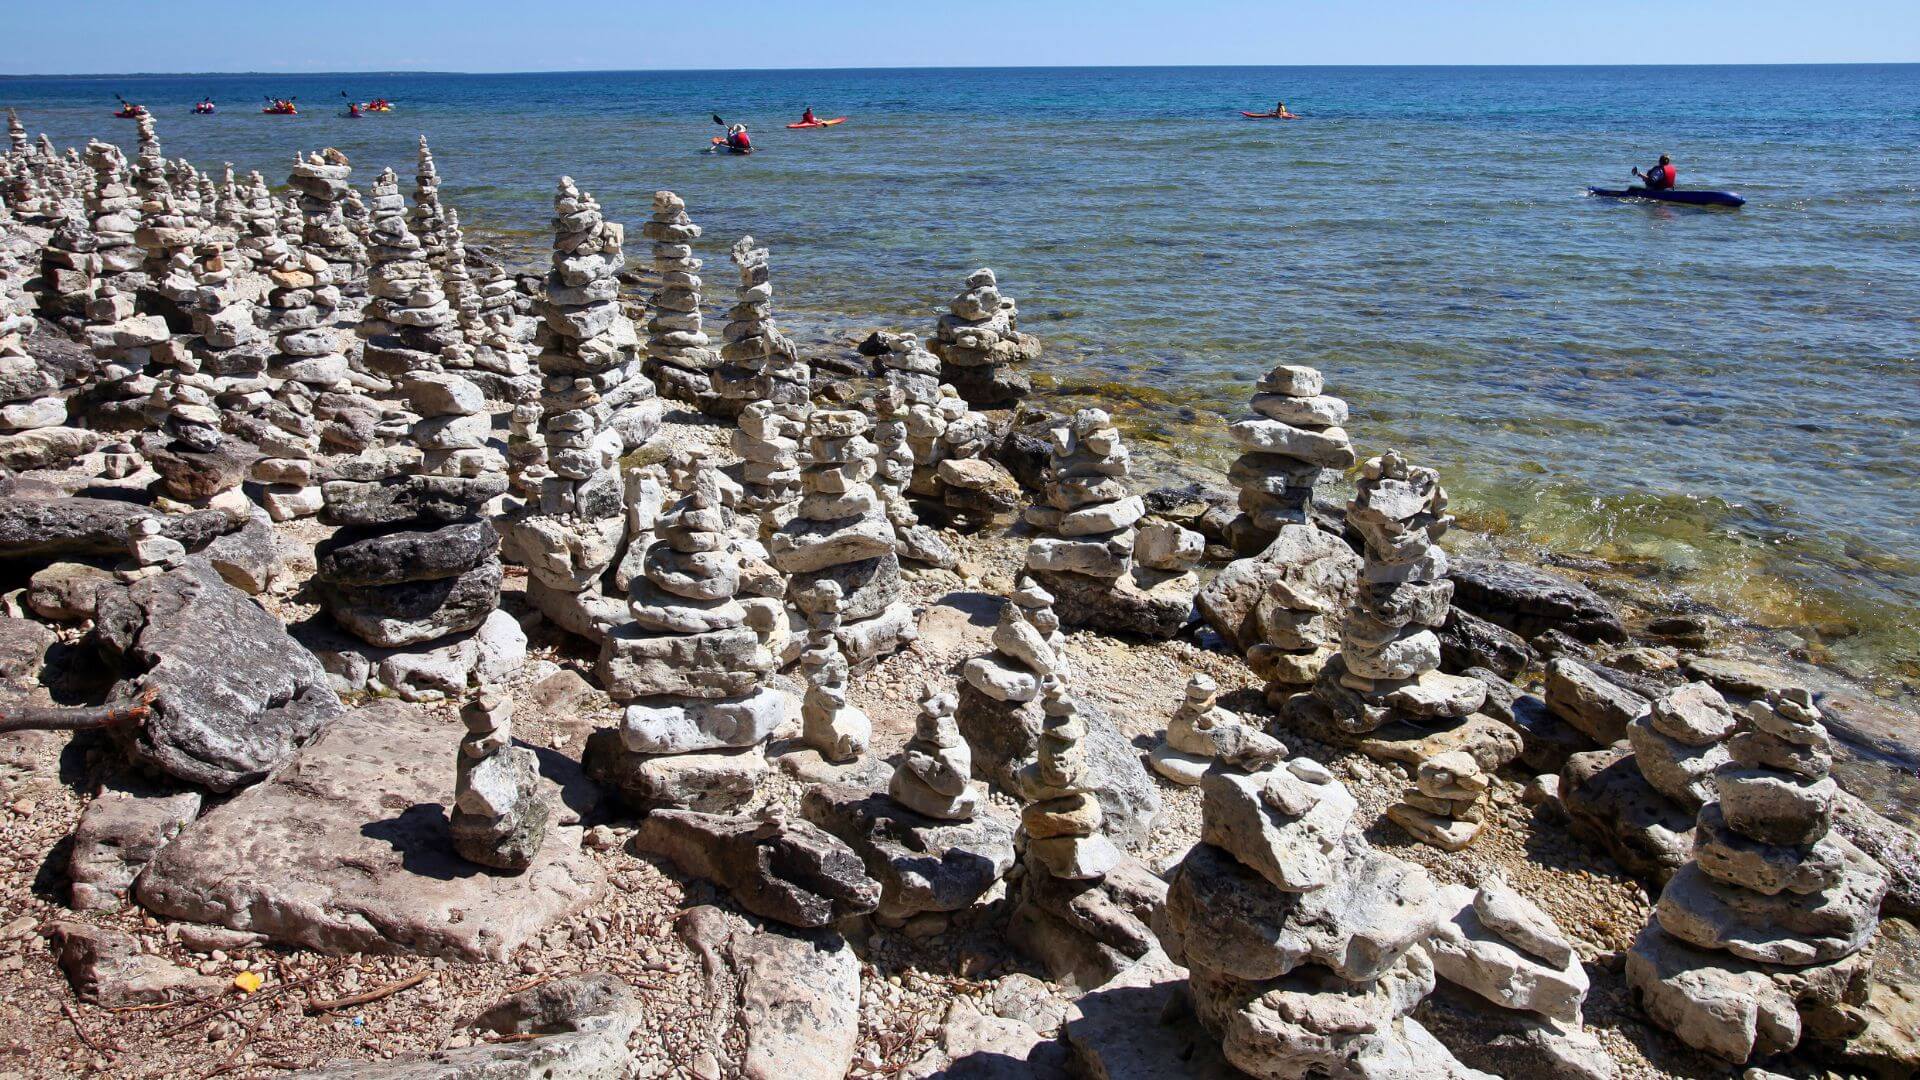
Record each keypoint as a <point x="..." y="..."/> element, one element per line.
<point x="1675" y="195"/>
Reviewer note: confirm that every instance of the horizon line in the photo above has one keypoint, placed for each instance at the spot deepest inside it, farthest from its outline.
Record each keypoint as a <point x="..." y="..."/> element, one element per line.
<point x="915" y="67"/>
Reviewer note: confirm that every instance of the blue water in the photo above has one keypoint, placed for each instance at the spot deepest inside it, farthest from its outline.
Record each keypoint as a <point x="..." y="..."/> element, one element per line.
<point x="1727" y="400"/>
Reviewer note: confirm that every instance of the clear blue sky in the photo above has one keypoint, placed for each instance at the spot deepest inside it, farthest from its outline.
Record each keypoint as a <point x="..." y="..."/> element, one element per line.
<point x="110" y="36"/>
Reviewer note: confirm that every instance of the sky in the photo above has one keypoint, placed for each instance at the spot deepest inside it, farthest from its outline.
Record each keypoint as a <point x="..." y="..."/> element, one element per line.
<point x="118" y="36"/>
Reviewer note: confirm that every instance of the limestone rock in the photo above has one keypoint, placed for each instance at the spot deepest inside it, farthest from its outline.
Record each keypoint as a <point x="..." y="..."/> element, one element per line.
<point x="789" y="871"/>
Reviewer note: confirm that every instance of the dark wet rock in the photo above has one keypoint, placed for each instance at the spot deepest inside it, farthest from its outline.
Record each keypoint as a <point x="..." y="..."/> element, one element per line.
<point x="1733" y="676"/>
<point x="409" y="498"/>
<point x="1558" y="643"/>
<point x="1894" y="846"/>
<point x="1024" y="448"/>
<point x="1145" y="603"/>
<point x="1609" y="803"/>
<point x="199" y="475"/>
<point x="84" y="526"/>
<point x="1530" y="601"/>
<point x="1546" y="740"/>
<point x="354" y="558"/>
<point x="412" y="612"/>
<point x="789" y="871"/>
<point x="233" y="695"/>
<point x="1468" y="641"/>
<point x="922" y="863"/>
<point x="347" y="849"/>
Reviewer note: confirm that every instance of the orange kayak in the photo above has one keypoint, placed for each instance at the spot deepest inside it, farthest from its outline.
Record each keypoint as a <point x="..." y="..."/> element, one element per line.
<point x="819" y="123"/>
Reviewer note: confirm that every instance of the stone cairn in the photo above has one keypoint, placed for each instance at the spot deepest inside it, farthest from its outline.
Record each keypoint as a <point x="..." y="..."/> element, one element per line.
<point x="1759" y="935"/>
<point x="692" y="667"/>
<point x="594" y="404"/>
<point x="408" y="323"/>
<point x="751" y="346"/>
<point x="1389" y="659"/>
<point x="1681" y="743"/>
<point x="429" y="221"/>
<point x="261" y="219"/>
<point x="935" y="773"/>
<point x="500" y="804"/>
<point x="419" y="561"/>
<point x="125" y="342"/>
<point x="840" y="536"/>
<point x="767" y="439"/>
<point x="1088" y="561"/>
<point x="1201" y="733"/>
<point x="1297" y="431"/>
<point x="321" y="179"/>
<point x="1447" y="804"/>
<point x="979" y="339"/>
<point x="114" y="210"/>
<point x="1300" y="940"/>
<point x="840" y="731"/>
<point x="29" y="392"/>
<point x="302" y="300"/>
<point x="680" y="357"/>
<point x="227" y="359"/>
<point x="488" y="351"/>
<point x="69" y="263"/>
<point x="913" y="541"/>
<point x="1061" y="826"/>
<point x="1498" y="944"/>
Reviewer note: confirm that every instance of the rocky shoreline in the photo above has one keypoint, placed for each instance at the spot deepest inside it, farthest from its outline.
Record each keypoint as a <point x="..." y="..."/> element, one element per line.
<point x="412" y="668"/>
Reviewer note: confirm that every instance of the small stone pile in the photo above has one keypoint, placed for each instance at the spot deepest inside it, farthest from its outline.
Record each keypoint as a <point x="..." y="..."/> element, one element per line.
<point x="1500" y="945"/>
<point x="1297" y="431"/>
<point x="489" y="351"/>
<point x="125" y="342"/>
<point x="428" y="220"/>
<point x="680" y="357"/>
<point x="260" y="217"/>
<point x="831" y="725"/>
<point x="321" y="179"/>
<point x="1061" y="826"/>
<point x="1088" y="561"/>
<point x="408" y="323"/>
<point x="768" y="442"/>
<point x="693" y="668"/>
<point x="594" y="404"/>
<point x="935" y="774"/>
<point x="1760" y="934"/>
<point x="1300" y="940"/>
<point x="840" y="536"/>
<point x="750" y="343"/>
<point x="947" y="441"/>
<point x="913" y="541"/>
<point x="979" y="340"/>
<point x="1201" y="733"/>
<point x="500" y="804"/>
<point x="1681" y="743"/>
<point x="1447" y="805"/>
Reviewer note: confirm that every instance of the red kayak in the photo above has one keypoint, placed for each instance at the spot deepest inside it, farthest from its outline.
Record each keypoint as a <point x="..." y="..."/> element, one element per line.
<point x="819" y="123"/>
<point x="1270" y="116"/>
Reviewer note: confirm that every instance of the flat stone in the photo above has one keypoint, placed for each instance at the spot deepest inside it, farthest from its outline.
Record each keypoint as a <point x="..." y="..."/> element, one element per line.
<point x="724" y="663"/>
<point x="1786" y="928"/>
<point x="790" y="871"/>
<point x="1729" y="857"/>
<point x="249" y="557"/>
<point x="972" y="1045"/>
<point x="1734" y="676"/>
<point x="1677" y="770"/>
<point x="106" y="968"/>
<point x="1894" y="846"/>
<point x="1470" y="954"/>
<point x="38" y="528"/>
<point x="799" y="1005"/>
<point x="346" y="849"/>
<point x="1694" y="714"/>
<point x="1582" y="697"/>
<point x="414" y="612"/>
<point x="386" y="558"/>
<point x="64" y="591"/>
<point x="120" y="831"/>
<point x="922" y="863"/>
<point x="1530" y="601"/>
<point x="1711" y="1002"/>
<point x="684" y="725"/>
<point x="232" y="695"/>
<point x="1286" y="829"/>
<point x="712" y="781"/>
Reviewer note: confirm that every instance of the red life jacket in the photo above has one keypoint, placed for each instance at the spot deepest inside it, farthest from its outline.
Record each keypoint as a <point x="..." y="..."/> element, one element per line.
<point x="740" y="140"/>
<point x="1665" y="176"/>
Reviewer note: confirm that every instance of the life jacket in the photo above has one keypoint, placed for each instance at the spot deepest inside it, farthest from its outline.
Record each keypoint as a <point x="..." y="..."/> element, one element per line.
<point x="807" y="118"/>
<point x="1665" y="176"/>
<point x="739" y="139"/>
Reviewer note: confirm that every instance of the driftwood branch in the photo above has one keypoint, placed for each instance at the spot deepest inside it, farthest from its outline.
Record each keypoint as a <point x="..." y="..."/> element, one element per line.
<point x="383" y="991"/>
<point x="79" y="718"/>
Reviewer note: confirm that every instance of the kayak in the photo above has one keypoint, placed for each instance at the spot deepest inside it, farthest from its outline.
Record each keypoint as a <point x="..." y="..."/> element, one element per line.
<point x="281" y="112"/>
<point x="1673" y="195"/>
<point x="1269" y="116"/>
<point x="819" y="123"/>
<point x="720" y="143"/>
<point x="131" y="114"/>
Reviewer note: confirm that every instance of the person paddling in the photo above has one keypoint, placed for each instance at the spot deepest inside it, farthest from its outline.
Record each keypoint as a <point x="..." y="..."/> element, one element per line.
<point x="1661" y="177"/>
<point x="808" y="117"/>
<point x="738" y="141"/>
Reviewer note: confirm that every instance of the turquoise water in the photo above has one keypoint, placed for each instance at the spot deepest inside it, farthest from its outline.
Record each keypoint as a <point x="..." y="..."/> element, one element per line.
<point x="1727" y="400"/>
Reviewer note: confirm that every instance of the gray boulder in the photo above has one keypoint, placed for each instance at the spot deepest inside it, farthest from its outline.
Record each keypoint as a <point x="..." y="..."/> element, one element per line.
<point x="789" y="871"/>
<point x="83" y="526"/>
<point x="922" y="863"/>
<point x="1530" y="601"/>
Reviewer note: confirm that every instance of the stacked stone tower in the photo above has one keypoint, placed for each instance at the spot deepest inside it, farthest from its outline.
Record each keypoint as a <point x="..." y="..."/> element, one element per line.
<point x="501" y="806"/>
<point x="1201" y="733"/>
<point x="321" y="179"/>
<point x="979" y="340"/>
<point x="829" y="723"/>
<point x="1760" y="933"/>
<point x="1087" y="560"/>
<point x="1296" y="432"/>
<point x="429" y="221"/>
<point x="408" y="323"/>
<point x="753" y="351"/>
<point x="680" y="356"/>
<point x="935" y="774"/>
<point x="840" y="537"/>
<point x="114" y="210"/>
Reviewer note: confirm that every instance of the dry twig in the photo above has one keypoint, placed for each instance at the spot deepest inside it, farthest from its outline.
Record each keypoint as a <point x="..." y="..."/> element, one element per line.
<point x="74" y="1019"/>
<point x="375" y="994"/>
<point x="82" y="718"/>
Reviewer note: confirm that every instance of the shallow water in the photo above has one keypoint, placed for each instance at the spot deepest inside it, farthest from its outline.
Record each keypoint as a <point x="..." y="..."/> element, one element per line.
<point x="1728" y="398"/>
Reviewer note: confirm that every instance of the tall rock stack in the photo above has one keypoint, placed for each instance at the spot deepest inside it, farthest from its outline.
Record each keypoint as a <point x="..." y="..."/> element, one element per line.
<point x="914" y="542"/>
<point x="408" y="324"/>
<point x="1061" y="826"/>
<point x="125" y="342"/>
<point x="300" y="307"/>
<point x="750" y="344"/>
<point x="829" y="723"/>
<point x="114" y="210"/>
<point x="1088" y="560"/>
<point x="692" y="668"/>
<point x="768" y="438"/>
<point x="321" y="179"/>
<point x="1296" y="432"/>
<point x="1760" y="933"/>
<point x="196" y="459"/>
<point x="428" y="219"/>
<point x="840" y="537"/>
<point x="594" y="404"/>
<point x="359" y="219"/>
<point x="28" y="390"/>
<point x="680" y="357"/>
<point x="17" y="144"/>
<point x="935" y="774"/>
<point x="261" y="218"/>
<point x="979" y="340"/>
<point x="69" y="265"/>
<point x="1680" y="744"/>
<point x="1388" y="665"/>
<point x="1300" y="940"/>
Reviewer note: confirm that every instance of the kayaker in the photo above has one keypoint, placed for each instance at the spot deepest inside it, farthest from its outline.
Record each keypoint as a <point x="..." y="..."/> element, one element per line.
<point x="1661" y="177"/>
<point x="737" y="139"/>
<point x="807" y="117"/>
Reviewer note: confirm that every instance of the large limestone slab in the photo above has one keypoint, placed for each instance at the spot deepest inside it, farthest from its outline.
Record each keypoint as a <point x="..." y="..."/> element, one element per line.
<point x="347" y="849"/>
<point x="1138" y="1027"/>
